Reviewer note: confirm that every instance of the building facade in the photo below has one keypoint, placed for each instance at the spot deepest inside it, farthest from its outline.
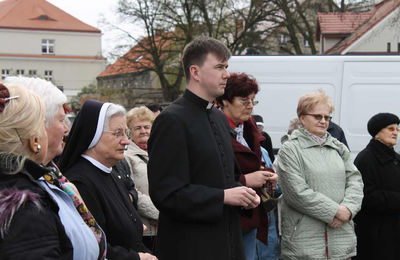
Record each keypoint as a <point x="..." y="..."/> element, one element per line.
<point x="39" y="39"/>
<point x="373" y="32"/>
<point x="130" y="81"/>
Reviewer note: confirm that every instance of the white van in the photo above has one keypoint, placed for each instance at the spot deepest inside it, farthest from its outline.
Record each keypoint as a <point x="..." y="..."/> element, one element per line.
<point x="360" y="86"/>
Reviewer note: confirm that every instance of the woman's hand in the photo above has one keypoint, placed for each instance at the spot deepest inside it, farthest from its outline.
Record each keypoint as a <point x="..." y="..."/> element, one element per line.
<point x="336" y="223"/>
<point x="273" y="179"/>
<point x="343" y="214"/>
<point x="259" y="178"/>
<point x="147" y="256"/>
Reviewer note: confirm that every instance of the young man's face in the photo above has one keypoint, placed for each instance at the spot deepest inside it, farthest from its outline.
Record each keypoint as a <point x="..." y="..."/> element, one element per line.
<point x="213" y="75"/>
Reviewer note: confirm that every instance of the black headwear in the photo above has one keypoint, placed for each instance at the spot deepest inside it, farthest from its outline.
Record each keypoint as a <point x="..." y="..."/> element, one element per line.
<point x="259" y="120"/>
<point x="380" y="121"/>
<point x="85" y="132"/>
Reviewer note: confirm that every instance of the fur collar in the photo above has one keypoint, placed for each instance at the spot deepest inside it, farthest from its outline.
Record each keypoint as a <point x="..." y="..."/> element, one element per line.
<point x="11" y="200"/>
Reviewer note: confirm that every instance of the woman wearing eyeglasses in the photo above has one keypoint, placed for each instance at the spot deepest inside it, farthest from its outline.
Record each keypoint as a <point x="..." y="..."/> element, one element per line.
<point x="95" y="145"/>
<point x="378" y="222"/>
<point x="139" y="121"/>
<point x="237" y="103"/>
<point x="322" y="189"/>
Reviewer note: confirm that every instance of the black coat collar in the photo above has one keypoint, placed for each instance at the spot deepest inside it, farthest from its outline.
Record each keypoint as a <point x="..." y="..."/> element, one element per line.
<point x="198" y="101"/>
<point x="384" y="153"/>
<point x="31" y="169"/>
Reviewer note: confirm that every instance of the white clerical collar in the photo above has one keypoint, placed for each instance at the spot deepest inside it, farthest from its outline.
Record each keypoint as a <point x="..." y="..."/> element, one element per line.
<point x="97" y="163"/>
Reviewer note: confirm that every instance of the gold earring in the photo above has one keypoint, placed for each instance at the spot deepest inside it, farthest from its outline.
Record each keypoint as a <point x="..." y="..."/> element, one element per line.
<point x="38" y="148"/>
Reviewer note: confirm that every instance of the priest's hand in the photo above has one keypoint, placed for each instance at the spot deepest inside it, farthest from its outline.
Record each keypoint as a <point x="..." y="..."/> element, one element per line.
<point x="255" y="203"/>
<point x="241" y="196"/>
<point x="147" y="256"/>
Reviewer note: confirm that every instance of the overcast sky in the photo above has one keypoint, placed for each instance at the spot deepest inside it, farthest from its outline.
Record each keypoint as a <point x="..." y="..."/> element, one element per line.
<point x="90" y="12"/>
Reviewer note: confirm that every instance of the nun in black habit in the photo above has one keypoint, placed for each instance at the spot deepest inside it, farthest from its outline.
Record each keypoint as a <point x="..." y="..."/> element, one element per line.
<point x="95" y="146"/>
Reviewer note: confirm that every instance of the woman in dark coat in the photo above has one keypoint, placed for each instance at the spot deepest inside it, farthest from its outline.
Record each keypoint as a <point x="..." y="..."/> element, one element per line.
<point x="95" y="145"/>
<point x="237" y="104"/>
<point x="378" y="222"/>
<point x="30" y="227"/>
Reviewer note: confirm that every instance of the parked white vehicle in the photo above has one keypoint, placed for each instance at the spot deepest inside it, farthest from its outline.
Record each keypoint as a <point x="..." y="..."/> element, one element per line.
<point x="360" y="86"/>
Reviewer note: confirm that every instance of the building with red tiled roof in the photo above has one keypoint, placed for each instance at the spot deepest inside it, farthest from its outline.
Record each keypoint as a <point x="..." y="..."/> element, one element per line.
<point x="371" y="32"/>
<point x="39" y="39"/>
<point x="132" y="76"/>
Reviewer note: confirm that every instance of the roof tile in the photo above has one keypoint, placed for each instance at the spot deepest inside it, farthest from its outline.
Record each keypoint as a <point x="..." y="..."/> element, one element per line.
<point x="137" y="59"/>
<point x="39" y="15"/>
<point x="378" y="13"/>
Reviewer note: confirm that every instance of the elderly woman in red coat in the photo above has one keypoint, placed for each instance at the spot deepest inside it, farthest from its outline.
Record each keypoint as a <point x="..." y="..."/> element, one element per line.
<point x="237" y="104"/>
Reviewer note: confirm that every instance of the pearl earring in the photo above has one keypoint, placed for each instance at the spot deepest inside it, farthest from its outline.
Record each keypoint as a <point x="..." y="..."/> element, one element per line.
<point x="38" y="148"/>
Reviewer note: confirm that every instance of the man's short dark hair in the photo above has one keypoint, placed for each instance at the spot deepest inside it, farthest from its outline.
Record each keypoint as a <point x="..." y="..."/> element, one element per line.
<point x="196" y="52"/>
<point x="154" y="107"/>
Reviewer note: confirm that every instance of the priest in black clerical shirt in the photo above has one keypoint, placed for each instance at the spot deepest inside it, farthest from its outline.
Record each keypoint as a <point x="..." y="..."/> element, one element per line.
<point x="191" y="165"/>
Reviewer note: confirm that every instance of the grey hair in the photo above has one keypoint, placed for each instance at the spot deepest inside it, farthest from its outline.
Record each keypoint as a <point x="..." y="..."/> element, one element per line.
<point x="113" y="110"/>
<point x="51" y="96"/>
<point x="293" y="125"/>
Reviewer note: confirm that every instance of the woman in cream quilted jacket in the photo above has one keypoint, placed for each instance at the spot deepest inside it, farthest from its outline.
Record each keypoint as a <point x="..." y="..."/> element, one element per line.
<point x="139" y="121"/>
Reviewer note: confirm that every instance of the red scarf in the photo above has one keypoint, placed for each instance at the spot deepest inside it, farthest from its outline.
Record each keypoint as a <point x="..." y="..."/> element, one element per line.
<point x="231" y="122"/>
<point x="142" y="146"/>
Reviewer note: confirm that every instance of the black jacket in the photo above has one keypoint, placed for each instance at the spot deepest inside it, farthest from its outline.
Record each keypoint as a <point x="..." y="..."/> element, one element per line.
<point x="36" y="231"/>
<point x="267" y="144"/>
<point x="191" y="162"/>
<point x="123" y="172"/>
<point x="378" y="222"/>
<point x="336" y="131"/>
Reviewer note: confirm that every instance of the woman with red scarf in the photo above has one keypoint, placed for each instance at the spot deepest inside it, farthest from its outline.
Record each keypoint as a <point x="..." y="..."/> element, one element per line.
<point x="237" y="103"/>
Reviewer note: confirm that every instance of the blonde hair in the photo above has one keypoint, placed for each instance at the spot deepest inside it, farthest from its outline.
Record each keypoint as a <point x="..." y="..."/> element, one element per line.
<point x="22" y="119"/>
<point x="308" y="101"/>
<point x="141" y="113"/>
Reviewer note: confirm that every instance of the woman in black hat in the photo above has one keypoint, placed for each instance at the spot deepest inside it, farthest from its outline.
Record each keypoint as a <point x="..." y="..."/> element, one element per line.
<point x="378" y="222"/>
<point x="95" y="145"/>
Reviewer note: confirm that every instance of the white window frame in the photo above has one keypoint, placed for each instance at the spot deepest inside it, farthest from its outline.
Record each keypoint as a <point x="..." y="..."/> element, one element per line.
<point x="20" y="72"/>
<point x="48" y="46"/>
<point x="32" y="73"/>
<point x="48" y="75"/>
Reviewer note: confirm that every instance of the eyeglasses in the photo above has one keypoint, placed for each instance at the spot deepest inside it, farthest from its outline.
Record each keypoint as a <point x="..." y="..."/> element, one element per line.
<point x="319" y="117"/>
<point x="393" y="128"/>
<point x="146" y="127"/>
<point x="119" y="133"/>
<point x="248" y="102"/>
